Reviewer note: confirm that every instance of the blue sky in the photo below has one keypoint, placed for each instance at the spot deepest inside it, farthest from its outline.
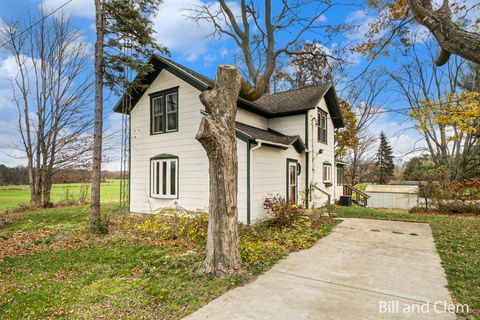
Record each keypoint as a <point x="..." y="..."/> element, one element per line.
<point x="190" y="45"/>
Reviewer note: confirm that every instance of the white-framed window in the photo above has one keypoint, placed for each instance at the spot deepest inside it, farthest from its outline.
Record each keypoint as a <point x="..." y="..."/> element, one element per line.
<point x="327" y="173"/>
<point x="322" y="126"/>
<point x="164" y="111"/>
<point x="164" y="178"/>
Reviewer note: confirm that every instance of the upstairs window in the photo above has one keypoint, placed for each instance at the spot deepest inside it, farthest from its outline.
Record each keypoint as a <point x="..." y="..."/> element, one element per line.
<point x="164" y="178"/>
<point x="164" y="111"/>
<point x="322" y="126"/>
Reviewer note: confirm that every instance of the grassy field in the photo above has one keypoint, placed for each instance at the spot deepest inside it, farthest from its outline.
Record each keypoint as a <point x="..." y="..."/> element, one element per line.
<point x="11" y="196"/>
<point x="51" y="266"/>
<point x="458" y="243"/>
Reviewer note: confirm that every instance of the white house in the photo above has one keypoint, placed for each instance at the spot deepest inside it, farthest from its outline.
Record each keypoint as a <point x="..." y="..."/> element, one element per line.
<point x="285" y="144"/>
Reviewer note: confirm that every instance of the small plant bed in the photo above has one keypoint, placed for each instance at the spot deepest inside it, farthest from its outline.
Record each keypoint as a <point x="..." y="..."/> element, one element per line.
<point x="146" y="267"/>
<point x="458" y="242"/>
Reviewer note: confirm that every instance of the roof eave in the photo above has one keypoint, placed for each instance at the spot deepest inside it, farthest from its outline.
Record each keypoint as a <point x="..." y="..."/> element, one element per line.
<point x="331" y="99"/>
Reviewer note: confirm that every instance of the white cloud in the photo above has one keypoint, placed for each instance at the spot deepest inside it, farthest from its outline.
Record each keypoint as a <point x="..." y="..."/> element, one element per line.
<point x="182" y="35"/>
<point x="79" y="8"/>
<point x="322" y="18"/>
<point x="404" y="139"/>
<point x="112" y="141"/>
<point x="10" y="152"/>
<point x="361" y="20"/>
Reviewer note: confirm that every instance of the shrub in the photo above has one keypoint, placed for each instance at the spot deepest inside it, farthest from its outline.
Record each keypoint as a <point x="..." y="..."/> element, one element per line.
<point x="102" y="225"/>
<point x="172" y="224"/>
<point x="84" y="193"/>
<point x="259" y="254"/>
<point x="284" y="213"/>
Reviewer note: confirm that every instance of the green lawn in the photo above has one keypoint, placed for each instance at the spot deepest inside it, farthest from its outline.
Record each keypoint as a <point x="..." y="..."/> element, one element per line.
<point x="458" y="243"/>
<point x="11" y="196"/>
<point x="51" y="266"/>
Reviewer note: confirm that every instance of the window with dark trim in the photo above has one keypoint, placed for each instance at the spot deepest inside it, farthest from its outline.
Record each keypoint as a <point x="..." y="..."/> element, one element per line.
<point x="340" y="175"/>
<point x="322" y="126"/>
<point x="164" y="178"/>
<point x="164" y="111"/>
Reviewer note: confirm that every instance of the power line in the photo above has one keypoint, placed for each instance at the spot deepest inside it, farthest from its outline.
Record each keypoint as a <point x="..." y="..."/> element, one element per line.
<point x="36" y="23"/>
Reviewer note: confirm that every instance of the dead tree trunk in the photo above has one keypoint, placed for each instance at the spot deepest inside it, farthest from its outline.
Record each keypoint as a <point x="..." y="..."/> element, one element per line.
<point x="217" y="136"/>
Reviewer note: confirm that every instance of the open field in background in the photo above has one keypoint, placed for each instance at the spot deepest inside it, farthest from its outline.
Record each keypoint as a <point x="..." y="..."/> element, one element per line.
<point x="12" y="196"/>
<point x="458" y="242"/>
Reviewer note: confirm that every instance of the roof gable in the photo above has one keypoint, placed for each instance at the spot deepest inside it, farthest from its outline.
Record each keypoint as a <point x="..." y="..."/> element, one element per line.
<point x="270" y="106"/>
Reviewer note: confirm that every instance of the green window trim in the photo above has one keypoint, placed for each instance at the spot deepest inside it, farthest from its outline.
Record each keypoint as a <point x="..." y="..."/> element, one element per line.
<point x="164" y="112"/>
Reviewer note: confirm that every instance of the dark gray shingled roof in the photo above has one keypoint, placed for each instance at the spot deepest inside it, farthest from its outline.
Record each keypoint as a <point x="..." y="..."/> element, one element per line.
<point x="270" y="106"/>
<point x="293" y="100"/>
<point x="253" y="133"/>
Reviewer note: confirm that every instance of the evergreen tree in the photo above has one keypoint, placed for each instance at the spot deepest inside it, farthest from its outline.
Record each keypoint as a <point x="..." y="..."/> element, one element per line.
<point x="124" y="42"/>
<point x="384" y="161"/>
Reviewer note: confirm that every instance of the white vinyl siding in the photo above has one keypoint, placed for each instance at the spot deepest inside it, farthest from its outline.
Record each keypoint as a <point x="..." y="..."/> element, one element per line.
<point x="193" y="163"/>
<point x="289" y="125"/>
<point x="251" y="119"/>
<point x="242" y="181"/>
<point x="193" y="179"/>
<point x="319" y="154"/>
<point x="163" y="178"/>
<point x="269" y="176"/>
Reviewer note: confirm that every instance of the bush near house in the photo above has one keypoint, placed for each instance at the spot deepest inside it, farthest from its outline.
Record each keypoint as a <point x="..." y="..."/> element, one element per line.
<point x="146" y="267"/>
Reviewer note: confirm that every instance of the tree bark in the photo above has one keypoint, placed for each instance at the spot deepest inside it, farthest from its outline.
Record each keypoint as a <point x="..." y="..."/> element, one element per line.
<point x="97" y="137"/>
<point x="450" y="37"/>
<point x="218" y="137"/>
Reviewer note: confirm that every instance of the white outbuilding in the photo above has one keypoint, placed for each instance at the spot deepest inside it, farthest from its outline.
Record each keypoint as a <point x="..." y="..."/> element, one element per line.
<point x="393" y="196"/>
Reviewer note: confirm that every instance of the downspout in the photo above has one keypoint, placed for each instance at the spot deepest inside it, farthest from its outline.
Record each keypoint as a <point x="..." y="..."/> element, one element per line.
<point x="249" y="178"/>
<point x="259" y="145"/>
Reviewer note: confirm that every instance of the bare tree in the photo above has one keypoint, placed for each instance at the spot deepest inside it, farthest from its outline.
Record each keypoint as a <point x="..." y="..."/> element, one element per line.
<point x="365" y="97"/>
<point x="431" y="92"/>
<point x="310" y="65"/>
<point x="51" y="91"/>
<point x="255" y="30"/>
<point x="427" y="88"/>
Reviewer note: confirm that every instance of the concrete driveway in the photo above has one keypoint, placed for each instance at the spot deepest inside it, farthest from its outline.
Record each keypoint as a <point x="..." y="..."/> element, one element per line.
<point x="365" y="269"/>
